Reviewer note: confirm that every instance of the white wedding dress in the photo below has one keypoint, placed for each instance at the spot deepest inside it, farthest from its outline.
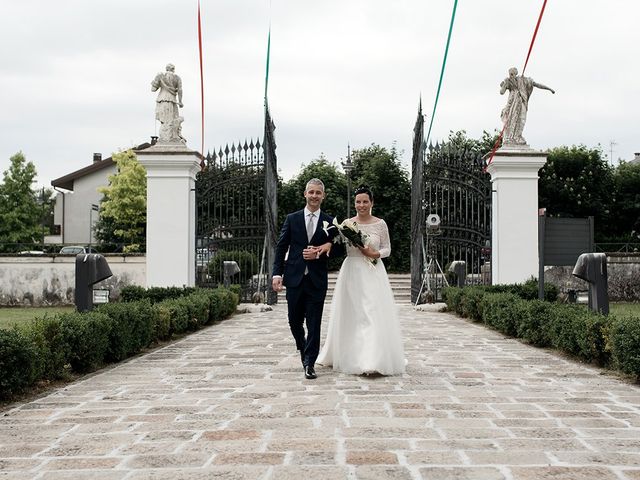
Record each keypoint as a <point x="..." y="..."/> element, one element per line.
<point x="364" y="335"/>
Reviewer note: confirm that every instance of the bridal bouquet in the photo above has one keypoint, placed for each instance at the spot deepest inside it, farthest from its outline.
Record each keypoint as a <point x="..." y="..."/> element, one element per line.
<point x="351" y="233"/>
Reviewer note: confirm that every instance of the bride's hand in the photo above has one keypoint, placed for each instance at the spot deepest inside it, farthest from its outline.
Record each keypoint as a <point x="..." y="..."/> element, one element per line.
<point x="367" y="251"/>
<point x="324" y="249"/>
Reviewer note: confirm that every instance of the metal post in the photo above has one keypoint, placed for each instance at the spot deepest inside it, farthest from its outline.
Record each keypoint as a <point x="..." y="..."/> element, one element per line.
<point x="95" y="208"/>
<point x="43" y="217"/>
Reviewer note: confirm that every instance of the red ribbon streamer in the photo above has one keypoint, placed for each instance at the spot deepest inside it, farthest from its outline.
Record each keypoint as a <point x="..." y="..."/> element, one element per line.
<point x="493" y="150"/>
<point x="535" y="34"/>
<point x="201" y="84"/>
<point x="533" y="40"/>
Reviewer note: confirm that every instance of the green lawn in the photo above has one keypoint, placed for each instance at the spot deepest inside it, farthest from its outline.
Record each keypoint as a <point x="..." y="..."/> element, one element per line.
<point x="624" y="308"/>
<point x="10" y="316"/>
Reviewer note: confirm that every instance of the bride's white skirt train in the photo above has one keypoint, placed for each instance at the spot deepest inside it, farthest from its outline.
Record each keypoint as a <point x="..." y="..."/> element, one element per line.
<point x="364" y="334"/>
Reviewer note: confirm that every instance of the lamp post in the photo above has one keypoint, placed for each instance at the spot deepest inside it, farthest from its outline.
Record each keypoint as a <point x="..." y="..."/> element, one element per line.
<point x="43" y="217"/>
<point x="348" y="167"/>
<point x="94" y="208"/>
<point x="612" y="143"/>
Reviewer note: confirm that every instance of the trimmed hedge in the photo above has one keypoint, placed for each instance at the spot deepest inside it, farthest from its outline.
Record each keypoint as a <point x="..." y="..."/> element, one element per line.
<point x="47" y="338"/>
<point x="503" y="311"/>
<point x="534" y="325"/>
<point x="17" y="362"/>
<point x="52" y="347"/>
<point x="132" y="293"/>
<point x="527" y="290"/>
<point x="86" y="339"/>
<point x="132" y="327"/>
<point x="606" y="340"/>
<point x="624" y="338"/>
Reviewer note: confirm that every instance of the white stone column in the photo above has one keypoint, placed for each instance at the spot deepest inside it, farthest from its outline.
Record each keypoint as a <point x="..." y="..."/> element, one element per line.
<point x="514" y="218"/>
<point x="171" y="214"/>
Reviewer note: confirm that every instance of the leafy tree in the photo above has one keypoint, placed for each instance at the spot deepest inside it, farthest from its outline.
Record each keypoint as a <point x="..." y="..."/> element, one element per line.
<point x="47" y="203"/>
<point x="578" y="182"/>
<point x="627" y="211"/>
<point x="480" y="146"/>
<point x="104" y="229"/>
<point x="124" y="205"/>
<point x="20" y="214"/>
<point x="382" y="171"/>
<point x="290" y="194"/>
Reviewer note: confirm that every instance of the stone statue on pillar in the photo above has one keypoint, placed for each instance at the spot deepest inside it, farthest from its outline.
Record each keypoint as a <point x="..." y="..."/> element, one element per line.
<point x="514" y="114"/>
<point x="169" y="100"/>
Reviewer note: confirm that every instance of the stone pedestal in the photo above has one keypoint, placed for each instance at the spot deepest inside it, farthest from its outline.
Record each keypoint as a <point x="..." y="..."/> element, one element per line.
<point x="171" y="216"/>
<point x="514" y="227"/>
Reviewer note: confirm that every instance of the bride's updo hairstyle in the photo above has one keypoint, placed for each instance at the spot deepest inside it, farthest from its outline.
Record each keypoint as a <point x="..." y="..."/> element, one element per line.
<point x="364" y="189"/>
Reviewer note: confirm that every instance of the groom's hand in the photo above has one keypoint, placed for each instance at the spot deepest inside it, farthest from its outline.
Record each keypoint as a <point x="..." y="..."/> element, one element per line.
<point x="311" y="253"/>
<point x="276" y="284"/>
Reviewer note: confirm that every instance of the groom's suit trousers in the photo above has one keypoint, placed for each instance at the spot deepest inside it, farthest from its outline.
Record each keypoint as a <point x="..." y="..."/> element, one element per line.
<point x="306" y="280"/>
<point x="306" y="301"/>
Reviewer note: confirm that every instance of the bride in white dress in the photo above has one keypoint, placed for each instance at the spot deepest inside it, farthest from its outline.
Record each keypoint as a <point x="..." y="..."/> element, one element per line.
<point x="364" y="335"/>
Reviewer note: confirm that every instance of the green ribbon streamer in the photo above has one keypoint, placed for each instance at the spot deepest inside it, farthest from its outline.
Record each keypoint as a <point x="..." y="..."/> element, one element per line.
<point x="444" y="63"/>
<point x="266" y="78"/>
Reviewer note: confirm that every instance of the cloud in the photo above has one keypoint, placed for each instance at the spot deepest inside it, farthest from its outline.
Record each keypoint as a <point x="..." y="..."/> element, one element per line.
<point x="76" y="74"/>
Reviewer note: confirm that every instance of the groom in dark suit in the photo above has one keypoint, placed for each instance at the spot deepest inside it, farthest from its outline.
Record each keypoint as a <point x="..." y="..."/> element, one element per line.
<point x="301" y="261"/>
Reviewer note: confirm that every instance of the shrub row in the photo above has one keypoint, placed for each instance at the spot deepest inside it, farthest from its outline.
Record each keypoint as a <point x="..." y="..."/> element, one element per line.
<point x="609" y="341"/>
<point x="133" y="293"/>
<point x="50" y="348"/>
<point x="527" y="290"/>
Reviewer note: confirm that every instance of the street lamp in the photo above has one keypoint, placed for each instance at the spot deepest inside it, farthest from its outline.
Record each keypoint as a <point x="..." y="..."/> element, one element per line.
<point x="94" y="208"/>
<point x="43" y="217"/>
<point x="612" y="143"/>
<point x="348" y="167"/>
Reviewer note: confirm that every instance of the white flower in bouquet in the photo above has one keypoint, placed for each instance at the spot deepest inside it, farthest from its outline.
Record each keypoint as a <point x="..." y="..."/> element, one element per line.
<point x="351" y="233"/>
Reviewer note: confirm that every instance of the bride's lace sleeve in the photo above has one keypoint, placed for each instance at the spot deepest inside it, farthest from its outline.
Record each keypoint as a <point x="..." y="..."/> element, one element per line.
<point x="385" y="243"/>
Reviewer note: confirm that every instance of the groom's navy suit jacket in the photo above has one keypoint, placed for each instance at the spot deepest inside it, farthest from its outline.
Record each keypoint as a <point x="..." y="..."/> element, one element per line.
<point x="293" y="237"/>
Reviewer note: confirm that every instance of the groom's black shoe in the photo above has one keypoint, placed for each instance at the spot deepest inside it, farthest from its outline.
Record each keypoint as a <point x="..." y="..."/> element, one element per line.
<point x="310" y="373"/>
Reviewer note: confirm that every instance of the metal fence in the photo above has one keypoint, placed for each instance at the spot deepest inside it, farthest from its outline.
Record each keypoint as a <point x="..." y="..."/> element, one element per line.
<point x="236" y="214"/>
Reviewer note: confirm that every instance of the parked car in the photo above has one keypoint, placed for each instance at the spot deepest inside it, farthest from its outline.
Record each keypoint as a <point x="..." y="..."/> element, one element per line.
<point x="203" y="256"/>
<point x="76" y="249"/>
<point x="31" y="252"/>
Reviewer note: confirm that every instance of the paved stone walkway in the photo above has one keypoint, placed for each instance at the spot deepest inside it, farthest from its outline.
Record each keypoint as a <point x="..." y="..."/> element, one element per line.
<point x="231" y="402"/>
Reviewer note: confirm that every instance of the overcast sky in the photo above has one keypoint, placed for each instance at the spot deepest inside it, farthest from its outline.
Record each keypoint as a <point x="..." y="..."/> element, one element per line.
<point x="75" y="75"/>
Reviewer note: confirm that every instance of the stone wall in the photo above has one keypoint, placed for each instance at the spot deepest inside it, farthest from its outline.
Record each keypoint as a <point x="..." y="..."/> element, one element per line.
<point x="623" y="272"/>
<point x="46" y="280"/>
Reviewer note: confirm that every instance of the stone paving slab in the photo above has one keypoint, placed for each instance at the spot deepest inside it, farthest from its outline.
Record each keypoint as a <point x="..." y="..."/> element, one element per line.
<point x="231" y="402"/>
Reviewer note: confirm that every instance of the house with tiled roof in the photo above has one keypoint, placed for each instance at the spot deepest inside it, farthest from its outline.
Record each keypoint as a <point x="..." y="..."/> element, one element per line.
<point x="77" y="199"/>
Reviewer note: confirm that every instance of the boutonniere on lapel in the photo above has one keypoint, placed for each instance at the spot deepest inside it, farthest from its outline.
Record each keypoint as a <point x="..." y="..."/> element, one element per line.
<point x="326" y="227"/>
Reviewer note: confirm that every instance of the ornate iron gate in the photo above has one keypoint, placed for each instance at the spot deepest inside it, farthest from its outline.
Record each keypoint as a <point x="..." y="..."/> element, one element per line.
<point x="452" y="214"/>
<point x="236" y="216"/>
